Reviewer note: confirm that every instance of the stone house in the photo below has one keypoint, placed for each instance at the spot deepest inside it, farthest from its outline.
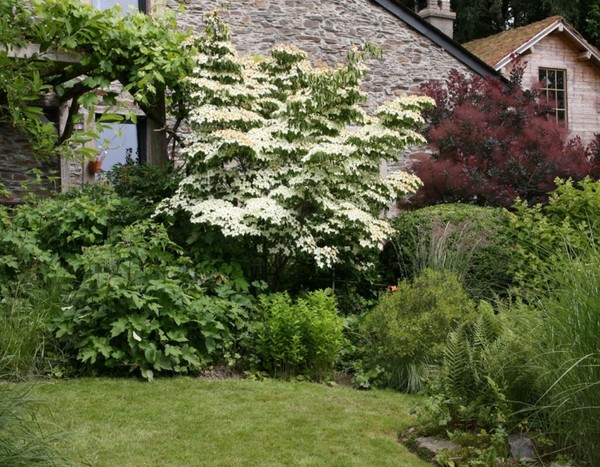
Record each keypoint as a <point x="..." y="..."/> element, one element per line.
<point x="417" y="46"/>
<point x="559" y="60"/>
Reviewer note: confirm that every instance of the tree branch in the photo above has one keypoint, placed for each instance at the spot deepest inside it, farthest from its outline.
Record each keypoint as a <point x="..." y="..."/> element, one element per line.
<point x="70" y="125"/>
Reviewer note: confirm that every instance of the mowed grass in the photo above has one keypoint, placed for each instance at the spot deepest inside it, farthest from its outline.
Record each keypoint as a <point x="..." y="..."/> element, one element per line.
<point x="189" y="422"/>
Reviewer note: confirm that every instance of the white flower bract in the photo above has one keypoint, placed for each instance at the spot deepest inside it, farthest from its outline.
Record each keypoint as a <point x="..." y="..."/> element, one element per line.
<point x="282" y="153"/>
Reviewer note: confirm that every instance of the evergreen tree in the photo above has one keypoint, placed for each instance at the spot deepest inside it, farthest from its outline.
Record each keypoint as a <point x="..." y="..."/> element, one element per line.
<point x="481" y="18"/>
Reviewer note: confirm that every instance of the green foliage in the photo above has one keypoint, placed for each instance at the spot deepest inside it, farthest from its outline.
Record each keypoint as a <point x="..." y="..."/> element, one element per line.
<point x="146" y="183"/>
<point x="299" y="338"/>
<point x="141" y="307"/>
<point x="147" y="54"/>
<point x="22" y="439"/>
<point x="481" y="449"/>
<point x="542" y="234"/>
<point x="485" y="376"/>
<point x="406" y="331"/>
<point x="21" y="255"/>
<point x="568" y="356"/>
<point x="471" y="241"/>
<point x="101" y="278"/>
<point x="32" y="283"/>
<point x="85" y="217"/>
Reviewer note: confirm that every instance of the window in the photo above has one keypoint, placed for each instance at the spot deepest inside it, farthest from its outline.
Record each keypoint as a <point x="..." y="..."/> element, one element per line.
<point x="554" y="87"/>
<point x="122" y="142"/>
<point x="421" y="5"/>
<point x="126" y="5"/>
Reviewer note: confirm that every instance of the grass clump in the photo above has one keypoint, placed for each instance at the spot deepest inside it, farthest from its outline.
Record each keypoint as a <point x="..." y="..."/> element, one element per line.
<point x="22" y="439"/>
<point x="26" y="343"/>
<point x="569" y="356"/>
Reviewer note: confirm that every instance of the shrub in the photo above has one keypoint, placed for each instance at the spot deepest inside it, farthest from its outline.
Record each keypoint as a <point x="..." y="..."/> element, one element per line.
<point x="542" y="234"/>
<point x="140" y="306"/>
<point x="471" y="241"/>
<point x="406" y="331"/>
<point x="146" y="183"/>
<point x="299" y="338"/>
<point x="23" y="260"/>
<point x="67" y="223"/>
<point x="492" y="142"/>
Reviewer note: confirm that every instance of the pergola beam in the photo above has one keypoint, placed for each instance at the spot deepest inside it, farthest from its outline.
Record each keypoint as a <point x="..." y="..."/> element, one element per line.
<point x="33" y="51"/>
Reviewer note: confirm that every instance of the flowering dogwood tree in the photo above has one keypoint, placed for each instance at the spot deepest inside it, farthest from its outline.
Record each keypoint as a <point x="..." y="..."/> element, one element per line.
<point x="280" y="153"/>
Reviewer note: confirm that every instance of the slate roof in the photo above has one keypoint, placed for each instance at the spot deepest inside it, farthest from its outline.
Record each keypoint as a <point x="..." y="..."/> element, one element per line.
<point x="496" y="50"/>
<point x="413" y="20"/>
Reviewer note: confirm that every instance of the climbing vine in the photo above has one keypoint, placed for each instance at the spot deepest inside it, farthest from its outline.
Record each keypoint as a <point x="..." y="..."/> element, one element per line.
<point x="64" y="53"/>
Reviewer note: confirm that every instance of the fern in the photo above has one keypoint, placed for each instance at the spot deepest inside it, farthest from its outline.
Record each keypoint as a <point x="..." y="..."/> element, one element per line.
<point x="481" y="378"/>
<point x="455" y="369"/>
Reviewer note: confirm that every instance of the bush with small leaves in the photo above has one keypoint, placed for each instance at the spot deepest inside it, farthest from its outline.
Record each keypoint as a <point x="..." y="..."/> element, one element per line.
<point x="406" y="331"/>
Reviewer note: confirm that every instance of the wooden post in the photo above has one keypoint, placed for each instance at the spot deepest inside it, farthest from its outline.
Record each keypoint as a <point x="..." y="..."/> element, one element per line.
<point x="156" y="136"/>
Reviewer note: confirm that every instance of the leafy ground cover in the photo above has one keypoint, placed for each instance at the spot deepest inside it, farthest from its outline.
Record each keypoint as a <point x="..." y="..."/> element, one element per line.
<point x="185" y="421"/>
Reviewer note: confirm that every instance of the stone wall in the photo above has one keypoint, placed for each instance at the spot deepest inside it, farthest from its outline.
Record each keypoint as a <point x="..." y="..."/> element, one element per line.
<point x="16" y="164"/>
<point x="326" y="29"/>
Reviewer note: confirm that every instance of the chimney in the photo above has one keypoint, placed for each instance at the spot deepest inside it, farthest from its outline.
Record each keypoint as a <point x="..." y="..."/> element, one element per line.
<point x="438" y="14"/>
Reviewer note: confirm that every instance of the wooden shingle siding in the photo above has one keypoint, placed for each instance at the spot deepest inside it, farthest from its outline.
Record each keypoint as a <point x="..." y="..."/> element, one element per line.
<point x="583" y="82"/>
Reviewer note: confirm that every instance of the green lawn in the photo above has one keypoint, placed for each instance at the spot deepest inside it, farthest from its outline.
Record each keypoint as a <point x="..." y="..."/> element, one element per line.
<point x="186" y="422"/>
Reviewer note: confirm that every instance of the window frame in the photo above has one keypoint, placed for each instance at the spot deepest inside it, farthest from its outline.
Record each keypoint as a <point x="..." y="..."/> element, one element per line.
<point x="142" y="5"/>
<point x="141" y="128"/>
<point x="554" y="89"/>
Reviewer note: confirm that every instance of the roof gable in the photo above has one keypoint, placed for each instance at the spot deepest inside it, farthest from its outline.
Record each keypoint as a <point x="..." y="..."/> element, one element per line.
<point x="499" y="49"/>
<point x="452" y="47"/>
